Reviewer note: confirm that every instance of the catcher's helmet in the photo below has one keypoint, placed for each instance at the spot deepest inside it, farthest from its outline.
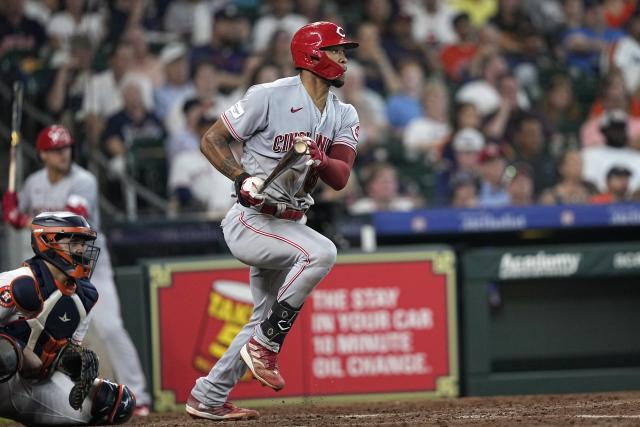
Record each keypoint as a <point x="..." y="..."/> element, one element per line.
<point x="53" y="137"/>
<point x="307" y="47"/>
<point x="48" y="228"/>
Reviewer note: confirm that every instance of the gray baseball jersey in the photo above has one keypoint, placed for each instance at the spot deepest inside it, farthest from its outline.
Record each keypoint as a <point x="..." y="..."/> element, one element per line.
<point x="268" y="119"/>
<point x="287" y="258"/>
<point x="80" y="188"/>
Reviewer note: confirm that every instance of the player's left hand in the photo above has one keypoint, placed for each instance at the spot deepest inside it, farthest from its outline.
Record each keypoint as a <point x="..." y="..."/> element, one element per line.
<point x="248" y="190"/>
<point x="81" y="365"/>
<point x="317" y="158"/>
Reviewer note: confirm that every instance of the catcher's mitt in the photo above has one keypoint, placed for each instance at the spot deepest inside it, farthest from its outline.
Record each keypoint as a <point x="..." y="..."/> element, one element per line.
<point x="81" y="365"/>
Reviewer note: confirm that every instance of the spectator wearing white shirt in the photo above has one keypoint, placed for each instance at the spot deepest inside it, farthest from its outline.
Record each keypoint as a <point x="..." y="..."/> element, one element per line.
<point x="626" y="55"/>
<point x="174" y="58"/>
<point x="432" y="21"/>
<point x="75" y="20"/>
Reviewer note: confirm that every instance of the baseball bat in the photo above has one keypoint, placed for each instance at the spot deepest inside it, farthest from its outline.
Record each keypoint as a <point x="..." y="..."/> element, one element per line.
<point x="16" y="120"/>
<point x="299" y="148"/>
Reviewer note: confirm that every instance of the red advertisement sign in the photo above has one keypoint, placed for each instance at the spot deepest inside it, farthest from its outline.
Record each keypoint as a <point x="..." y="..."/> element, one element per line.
<point x="376" y="324"/>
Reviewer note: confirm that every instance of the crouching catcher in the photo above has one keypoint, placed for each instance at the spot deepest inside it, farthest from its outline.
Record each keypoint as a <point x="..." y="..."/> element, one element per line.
<point x="46" y="376"/>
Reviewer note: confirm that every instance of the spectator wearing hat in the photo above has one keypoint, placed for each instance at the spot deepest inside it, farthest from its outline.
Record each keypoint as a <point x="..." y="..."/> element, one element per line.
<point x="617" y="190"/>
<point x="592" y="134"/>
<point x="571" y="189"/>
<point x="467" y="143"/>
<point x="492" y="167"/>
<point x="174" y="58"/>
<point x="599" y="159"/>
<point x="227" y="47"/>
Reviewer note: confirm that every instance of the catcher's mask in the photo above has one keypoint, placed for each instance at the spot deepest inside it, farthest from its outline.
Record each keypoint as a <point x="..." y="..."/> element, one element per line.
<point x="308" y="47"/>
<point x="66" y="240"/>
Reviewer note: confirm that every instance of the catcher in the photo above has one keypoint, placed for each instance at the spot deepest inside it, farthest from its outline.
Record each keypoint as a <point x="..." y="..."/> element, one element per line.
<point x="46" y="376"/>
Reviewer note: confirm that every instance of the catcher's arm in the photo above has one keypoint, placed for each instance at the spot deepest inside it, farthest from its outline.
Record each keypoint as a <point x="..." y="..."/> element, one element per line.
<point x="81" y="365"/>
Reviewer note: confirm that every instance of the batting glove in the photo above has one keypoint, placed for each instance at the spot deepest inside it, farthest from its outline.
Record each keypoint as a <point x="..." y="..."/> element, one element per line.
<point x="317" y="158"/>
<point x="247" y="190"/>
<point x="10" y="213"/>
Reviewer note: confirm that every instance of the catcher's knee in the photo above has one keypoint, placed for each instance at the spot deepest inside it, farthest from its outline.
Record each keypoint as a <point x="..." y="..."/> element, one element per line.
<point x="112" y="403"/>
<point x="10" y="358"/>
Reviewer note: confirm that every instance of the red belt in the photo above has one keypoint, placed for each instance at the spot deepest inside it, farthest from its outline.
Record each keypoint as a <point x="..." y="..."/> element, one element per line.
<point x="287" y="213"/>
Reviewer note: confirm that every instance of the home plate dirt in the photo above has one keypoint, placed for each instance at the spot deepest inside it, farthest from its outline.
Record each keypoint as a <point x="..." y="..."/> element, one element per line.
<point x="601" y="409"/>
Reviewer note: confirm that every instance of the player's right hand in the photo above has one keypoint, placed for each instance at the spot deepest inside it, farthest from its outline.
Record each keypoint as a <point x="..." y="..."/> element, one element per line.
<point x="10" y="213"/>
<point x="248" y="190"/>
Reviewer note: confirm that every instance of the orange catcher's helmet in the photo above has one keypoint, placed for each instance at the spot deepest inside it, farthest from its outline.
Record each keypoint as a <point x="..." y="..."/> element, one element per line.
<point x="308" y="45"/>
<point x="53" y="137"/>
<point x="77" y="257"/>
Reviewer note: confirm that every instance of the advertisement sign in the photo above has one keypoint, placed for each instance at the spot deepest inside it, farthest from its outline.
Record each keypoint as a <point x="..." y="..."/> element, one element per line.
<point x="378" y="323"/>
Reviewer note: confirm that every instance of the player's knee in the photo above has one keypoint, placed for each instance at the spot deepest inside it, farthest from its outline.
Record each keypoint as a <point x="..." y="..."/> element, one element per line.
<point x="10" y="358"/>
<point x="112" y="403"/>
<point x="326" y="255"/>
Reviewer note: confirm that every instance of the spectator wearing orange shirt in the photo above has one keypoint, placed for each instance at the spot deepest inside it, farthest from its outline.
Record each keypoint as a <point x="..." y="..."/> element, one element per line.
<point x="618" y="178"/>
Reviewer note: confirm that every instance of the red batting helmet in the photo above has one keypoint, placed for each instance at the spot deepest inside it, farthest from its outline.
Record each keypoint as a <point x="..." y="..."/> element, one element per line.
<point x="309" y="42"/>
<point x="53" y="137"/>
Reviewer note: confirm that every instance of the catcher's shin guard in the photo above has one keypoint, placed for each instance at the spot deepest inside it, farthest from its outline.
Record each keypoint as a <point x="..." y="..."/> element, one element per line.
<point x="112" y="403"/>
<point x="10" y="358"/>
<point x="280" y="320"/>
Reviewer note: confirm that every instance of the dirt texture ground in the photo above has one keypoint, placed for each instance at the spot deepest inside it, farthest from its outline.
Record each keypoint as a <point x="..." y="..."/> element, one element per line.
<point x="605" y="409"/>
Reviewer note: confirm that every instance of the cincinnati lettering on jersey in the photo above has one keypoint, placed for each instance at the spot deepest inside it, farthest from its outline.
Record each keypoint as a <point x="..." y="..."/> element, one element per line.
<point x="282" y="143"/>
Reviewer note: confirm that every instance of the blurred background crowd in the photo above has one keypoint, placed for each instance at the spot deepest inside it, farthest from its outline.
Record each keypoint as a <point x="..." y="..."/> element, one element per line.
<point x="462" y="103"/>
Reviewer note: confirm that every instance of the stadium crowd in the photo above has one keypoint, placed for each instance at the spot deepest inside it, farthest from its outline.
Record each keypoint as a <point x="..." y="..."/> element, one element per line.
<point x="463" y="103"/>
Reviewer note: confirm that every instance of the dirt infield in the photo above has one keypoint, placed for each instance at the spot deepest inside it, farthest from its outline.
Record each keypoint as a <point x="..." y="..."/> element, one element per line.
<point x="603" y="409"/>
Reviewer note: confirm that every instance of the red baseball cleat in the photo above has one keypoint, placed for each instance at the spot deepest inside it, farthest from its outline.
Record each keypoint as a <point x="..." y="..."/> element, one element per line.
<point x="227" y="411"/>
<point x="263" y="363"/>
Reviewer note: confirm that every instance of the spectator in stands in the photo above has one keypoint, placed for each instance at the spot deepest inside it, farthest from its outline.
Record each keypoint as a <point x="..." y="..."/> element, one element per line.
<point x="498" y="124"/>
<point x="464" y="187"/>
<point x="21" y="38"/>
<point x="467" y="143"/>
<point x="456" y="57"/>
<point x="176" y="85"/>
<point x="382" y="192"/>
<point x="180" y="17"/>
<point x="188" y="138"/>
<point x="102" y="98"/>
<point x="520" y="184"/>
<point x="280" y="16"/>
<point x="480" y="11"/>
<point x="278" y="51"/>
<point x="400" y="45"/>
<point x="380" y="74"/>
<point x="424" y="137"/>
<point x="133" y="123"/>
<point x="124" y="14"/>
<point x="509" y="20"/>
<point x="626" y="54"/>
<point x="312" y="10"/>
<point x="370" y="106"/>
<point x="589" y="38"/>
<point x="145" y="63"/>
<point x="75" y="19"/>
<point x="492" y="166"/>
<point x="205" y="83"/>
<point x="484" y="92"/>
<point x="67" y="90"/>
<point x="571" y="189"/>
<point x="404" y="105"/>
<point x="599" y="159"/>
<point x="564" y="113"/>
<point x="191" y="180"/>
<point x="529" y="146"/>
<point x="431" y="21"/>
<point x="379" y="14"/>
<point x="617" y="190"/>
<point x="227" y="48"/>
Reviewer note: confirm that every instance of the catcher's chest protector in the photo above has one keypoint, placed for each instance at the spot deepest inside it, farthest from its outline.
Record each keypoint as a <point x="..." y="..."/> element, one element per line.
<point x="59" y="315"/>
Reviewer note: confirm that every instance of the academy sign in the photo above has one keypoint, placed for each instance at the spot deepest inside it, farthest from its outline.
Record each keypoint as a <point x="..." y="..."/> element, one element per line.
<point x="540" y="264"/>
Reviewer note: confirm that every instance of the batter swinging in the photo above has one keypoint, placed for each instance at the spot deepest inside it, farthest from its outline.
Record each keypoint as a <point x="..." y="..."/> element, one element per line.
<point x="266" y="229"/>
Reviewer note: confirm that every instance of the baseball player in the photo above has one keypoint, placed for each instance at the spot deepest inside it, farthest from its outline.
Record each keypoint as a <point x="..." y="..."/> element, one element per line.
<point x="46" y="376"/>
<point x="63" y="185"/>
<point x="265" y="229"/>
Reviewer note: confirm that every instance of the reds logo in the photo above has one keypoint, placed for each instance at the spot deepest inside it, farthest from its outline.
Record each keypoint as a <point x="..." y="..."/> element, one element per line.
<point x="341" y="32"/>
<point x="6" y="299"/>
<point x="355" y="130"/>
